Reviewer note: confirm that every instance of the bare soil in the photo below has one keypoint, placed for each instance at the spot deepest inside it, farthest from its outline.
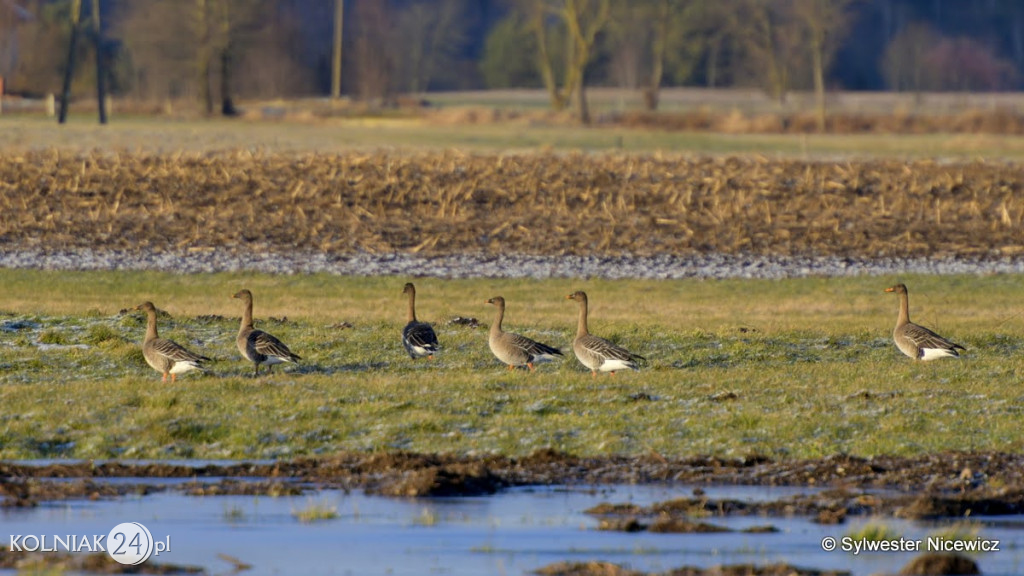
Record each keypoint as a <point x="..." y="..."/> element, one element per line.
<point x="933" y="486"/>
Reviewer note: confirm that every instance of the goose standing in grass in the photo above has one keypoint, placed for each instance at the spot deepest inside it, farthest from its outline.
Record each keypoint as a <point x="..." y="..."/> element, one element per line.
<point x="917" y="341"/>
<point x="513" y="349"/>
<point x="595" y="352"/>
<point x="166" y="356"/>
<point x="418" y="337"/>
<point x="258" y="346"/>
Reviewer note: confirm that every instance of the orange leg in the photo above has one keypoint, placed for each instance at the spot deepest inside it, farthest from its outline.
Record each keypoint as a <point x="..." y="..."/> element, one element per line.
<point x="530" y="366"/>
<point x="511" y="367"/>
<point x="174" y="377"/>
<point x="164" y="379"/>
<point x="593" y="373"/>
<point x="430" y="357"/>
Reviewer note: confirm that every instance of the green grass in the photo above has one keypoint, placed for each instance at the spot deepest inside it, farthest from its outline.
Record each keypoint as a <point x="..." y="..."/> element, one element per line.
<point x="155" y="135"/>
<point x="791" y="368"/>
<point x="874" y="532"/>
<point x="316" y="512"/>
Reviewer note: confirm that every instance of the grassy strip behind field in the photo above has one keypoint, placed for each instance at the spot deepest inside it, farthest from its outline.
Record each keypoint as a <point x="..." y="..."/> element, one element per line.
<point x="159" y="136"/>
<point x="790" y="368"/>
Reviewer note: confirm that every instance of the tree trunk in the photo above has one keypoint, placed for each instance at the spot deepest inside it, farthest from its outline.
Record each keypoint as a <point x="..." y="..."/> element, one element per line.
<point x="817" y="62"/>
<point x="713" y="49"/>
<point x="69" y="71"/>
<point x="227" y="105"/>
<point x="203" y="56"/>
<point x="101" y="73"/>
<point x="547" y="73"/>
<point x="339" y="22"/>
<point x="581" y="101"/>
<point x="658" y="53"/>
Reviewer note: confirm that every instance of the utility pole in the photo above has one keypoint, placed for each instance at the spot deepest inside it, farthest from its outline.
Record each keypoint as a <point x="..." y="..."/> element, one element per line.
<point x="339" y="21"/>
<point x="65" y="95"/>
<point x="101" y="72"/>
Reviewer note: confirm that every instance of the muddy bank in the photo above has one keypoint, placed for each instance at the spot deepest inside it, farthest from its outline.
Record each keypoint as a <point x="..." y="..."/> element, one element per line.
<point x="610" y="569"/>
<point x="94" y="563"/>
<point x="953" y="484"/>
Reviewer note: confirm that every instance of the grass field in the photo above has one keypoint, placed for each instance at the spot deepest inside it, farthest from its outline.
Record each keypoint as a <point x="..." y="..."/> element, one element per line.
<point x="790" y="368"/>
<point x="146" y="134"/>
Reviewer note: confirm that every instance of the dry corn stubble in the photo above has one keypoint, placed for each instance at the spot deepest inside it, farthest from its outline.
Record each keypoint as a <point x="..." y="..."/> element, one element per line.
<point x="444" y="203"/>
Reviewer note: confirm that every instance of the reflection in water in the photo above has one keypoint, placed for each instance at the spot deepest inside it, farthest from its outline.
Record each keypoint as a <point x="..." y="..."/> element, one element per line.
<point x="513" y="532"/>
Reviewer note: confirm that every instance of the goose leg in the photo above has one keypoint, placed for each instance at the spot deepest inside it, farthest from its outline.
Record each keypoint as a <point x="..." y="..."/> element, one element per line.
<point x="164" y="379"/>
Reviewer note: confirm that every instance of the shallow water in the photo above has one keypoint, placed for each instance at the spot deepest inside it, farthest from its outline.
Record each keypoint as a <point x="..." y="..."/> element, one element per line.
<point x="513" y="532"/>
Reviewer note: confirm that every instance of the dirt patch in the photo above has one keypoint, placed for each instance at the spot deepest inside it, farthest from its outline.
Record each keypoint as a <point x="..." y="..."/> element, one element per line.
<point x="608" y="569"/>
<point x="94" y="563"/>
<point x="27" y="492"/>
<point x="952" y="484"/>
<point x="681" y="526"/>
<point x="472" y="479"/>
<point x="940" y="565"/>
<point x="229" y="487"/>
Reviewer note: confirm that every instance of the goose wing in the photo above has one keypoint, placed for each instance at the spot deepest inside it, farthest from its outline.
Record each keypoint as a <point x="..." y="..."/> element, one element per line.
<point x="602" y="348"/>
<point x="267" y="345"/>
<point x="530" y="347"/>
<point x="420" y="335"/>
<point x="925" y="338"/>
<point x="176" y="352"/>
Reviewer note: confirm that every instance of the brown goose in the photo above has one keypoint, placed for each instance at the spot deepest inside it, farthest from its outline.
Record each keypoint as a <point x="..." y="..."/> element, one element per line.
<point x="916" y="341"/>
<point x="513" y="349"/>
<point x="166" y="356"/>
<point x="417" y="337"/>
<point x="257" y="346"/>
<point x="597" y="353"/>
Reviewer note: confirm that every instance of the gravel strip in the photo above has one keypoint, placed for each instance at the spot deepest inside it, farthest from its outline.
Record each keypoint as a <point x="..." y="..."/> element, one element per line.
<point x="503" y="266"/>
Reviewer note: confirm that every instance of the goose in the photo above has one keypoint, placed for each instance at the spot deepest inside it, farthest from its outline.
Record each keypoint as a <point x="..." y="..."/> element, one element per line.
<point x="166" y="356"/>
<point x="917" y="341"/>
<point x="513" y="349"/>
<point x="597" y="353"/>
<point x="258" y="346"/>
<point x="418" y="337"/>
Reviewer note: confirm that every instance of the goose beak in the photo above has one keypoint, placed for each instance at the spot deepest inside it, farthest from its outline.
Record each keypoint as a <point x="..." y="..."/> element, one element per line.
<point x="890" y="290"/>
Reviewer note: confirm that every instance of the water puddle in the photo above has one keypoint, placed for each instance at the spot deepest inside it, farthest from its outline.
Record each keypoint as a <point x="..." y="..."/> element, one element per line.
<point x="513" y="532"/>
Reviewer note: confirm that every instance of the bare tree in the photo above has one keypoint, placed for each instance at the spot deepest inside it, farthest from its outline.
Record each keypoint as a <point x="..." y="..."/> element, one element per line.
<point x="339" y="27"/>
<point x="69" y="70"/>
<point x="771" y="39"/>
<point x="583" y="20"/>
<point x="905" y="61"/>
<point x="429" y="35"/>
<point x="824" y="22"/>
<point x="373" y="60"/>
<point x="101" y="72"/>
<point x="161" y="40"/>
<point x="204" y="53"/>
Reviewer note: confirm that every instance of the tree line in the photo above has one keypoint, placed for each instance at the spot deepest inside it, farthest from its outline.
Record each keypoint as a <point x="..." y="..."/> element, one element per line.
<point x="210" y="51"/>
